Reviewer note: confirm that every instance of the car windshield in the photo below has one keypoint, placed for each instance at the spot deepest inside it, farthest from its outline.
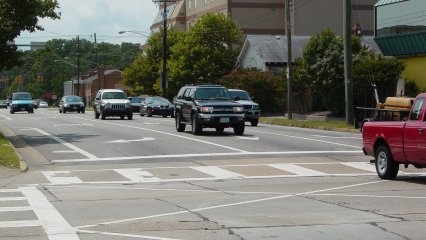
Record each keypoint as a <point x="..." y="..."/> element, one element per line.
<point x="73" y="99"/>
<point x="243" y="95"/>
<point x="21" y="96"/>
<point x="136" y="99"/>
<point x="212" y="94"/>
<point x="158" y="101"/>
<point x="114" y="95"/>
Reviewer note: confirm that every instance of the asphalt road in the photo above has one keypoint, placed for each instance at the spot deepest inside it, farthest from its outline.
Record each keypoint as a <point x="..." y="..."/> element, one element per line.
<point x="140" y="179"/>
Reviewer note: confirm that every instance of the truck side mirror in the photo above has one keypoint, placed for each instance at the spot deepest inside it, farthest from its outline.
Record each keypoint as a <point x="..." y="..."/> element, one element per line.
<point x="236" y="98"/>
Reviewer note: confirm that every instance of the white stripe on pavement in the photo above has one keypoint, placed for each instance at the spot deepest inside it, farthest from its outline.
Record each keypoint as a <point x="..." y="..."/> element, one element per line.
<point x="15" y="209"/>
<point x="217" y="172"/>
<point x="361" y="165"/>
<point x="18" y="224"/>
<point x="53" y="178"/>
<point x="5" y="199"/>
<point x="75" y="148"/>
<point x="55" y="226"/>
<point x="298" y="170"/>
<point x="137" y="175"/>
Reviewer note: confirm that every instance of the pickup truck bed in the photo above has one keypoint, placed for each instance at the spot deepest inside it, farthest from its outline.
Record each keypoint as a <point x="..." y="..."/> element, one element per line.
<point x="395" y="143"/>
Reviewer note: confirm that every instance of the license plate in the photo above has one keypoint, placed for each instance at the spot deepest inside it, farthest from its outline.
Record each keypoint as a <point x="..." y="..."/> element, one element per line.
<point x="23" y="109"/>
<point x="224" y="120"/>
<point x="75" y="108"/>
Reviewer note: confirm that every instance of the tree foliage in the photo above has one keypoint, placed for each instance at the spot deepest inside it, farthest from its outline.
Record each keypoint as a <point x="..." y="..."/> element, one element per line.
<point x="206" y="52"/>
<point x="321" y="69"/>
<point x="269" y="90"/>
<point x="18" y="16"/>
<point x="41" y="74"/>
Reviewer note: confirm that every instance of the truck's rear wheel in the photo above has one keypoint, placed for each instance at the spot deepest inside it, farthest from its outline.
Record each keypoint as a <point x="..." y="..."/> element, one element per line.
<point x="386" y="167"/>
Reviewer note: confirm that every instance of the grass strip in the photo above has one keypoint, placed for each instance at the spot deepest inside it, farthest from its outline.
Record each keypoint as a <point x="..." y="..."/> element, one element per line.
<point x="8" y="157"/>
<point x="323" y="125"/>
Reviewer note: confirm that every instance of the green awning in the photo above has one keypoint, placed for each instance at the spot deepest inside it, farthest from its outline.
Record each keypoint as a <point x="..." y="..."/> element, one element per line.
<point x="386" y="2"/>
<point x="403" y="44"/>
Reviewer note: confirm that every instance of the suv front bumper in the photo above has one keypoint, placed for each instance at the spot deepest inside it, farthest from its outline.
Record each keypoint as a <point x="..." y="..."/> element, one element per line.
<point x="220" y="120"/>
<point x="252" y="114"/>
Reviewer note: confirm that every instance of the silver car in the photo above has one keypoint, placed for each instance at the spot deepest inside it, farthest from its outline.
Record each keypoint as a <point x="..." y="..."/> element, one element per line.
<point x="112" y="102"/>
<point x="251" y="108"/>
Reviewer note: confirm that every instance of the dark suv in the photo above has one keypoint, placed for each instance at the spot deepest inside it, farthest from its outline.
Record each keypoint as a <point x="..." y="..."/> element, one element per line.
<point x="208" y="106"/>
<point x="112" y="102"/>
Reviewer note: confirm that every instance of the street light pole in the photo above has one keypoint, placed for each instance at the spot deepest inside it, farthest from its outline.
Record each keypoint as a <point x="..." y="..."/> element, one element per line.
<point x="78" y="66"/>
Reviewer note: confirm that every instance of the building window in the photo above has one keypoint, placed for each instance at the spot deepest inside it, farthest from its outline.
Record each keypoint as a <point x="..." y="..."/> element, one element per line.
<point x="205" y="2"/>
<point x="189" y="4"/>
<point x="195" y="4"/>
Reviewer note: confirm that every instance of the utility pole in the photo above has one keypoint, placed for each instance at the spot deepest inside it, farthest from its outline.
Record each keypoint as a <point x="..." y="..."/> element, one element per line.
<point x="347" y="10"/>
<point x="289" y="63"/>
<point x="97" y="64"/>
<point x="163" y="76"/>
<point x="78" y="65"/>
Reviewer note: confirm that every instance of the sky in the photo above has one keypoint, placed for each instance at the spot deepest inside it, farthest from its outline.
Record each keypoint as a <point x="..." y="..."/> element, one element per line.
<point x="104" y="17"/>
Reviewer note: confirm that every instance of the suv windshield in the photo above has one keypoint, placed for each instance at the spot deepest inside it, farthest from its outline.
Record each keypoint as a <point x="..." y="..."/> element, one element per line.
<point x="241" y="94"/>
<point x="136" y="99"/>
<point x="73" y="99"/>
<point x="212" y="94"/>
<point x="21" y="96"/>
<point x="114" y="95"/>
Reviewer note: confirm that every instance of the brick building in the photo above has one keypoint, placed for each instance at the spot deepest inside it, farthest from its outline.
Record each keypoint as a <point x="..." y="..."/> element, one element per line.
<point x="267" y="17"/>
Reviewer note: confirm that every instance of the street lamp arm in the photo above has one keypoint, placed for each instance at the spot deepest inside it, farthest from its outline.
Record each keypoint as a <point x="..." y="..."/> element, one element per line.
<point x="66" y="63"/>
<point x="131" y="31"/>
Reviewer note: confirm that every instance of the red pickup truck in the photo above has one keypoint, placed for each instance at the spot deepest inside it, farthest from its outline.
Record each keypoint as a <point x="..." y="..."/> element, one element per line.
<point x="397" y="142"/>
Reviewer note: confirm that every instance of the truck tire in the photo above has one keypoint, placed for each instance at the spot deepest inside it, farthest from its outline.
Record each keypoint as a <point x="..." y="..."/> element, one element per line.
<point x="196" y="127"/>
<point x="386" y="167"/>
<point x="180" y="127"/>
<point x="239" y="129"/>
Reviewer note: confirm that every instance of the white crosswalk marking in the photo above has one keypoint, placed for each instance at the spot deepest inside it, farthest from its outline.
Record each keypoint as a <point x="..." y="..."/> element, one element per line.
<point x="298" y="170"/>
<point x="14" y="209"/>
<point x="361" y="165"/>
<point x="18" y="224"/>
<point x="217" y="172"/>
<point x="53" y="178"/>
<point x="137" y="175"/>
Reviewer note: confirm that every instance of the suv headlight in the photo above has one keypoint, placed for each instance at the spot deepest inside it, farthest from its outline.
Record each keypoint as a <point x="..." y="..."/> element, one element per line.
<point x="206" y="109"/>
<point x="255" y="107"/>
<point x="127" y="104"/>
<point x="106" y="104"/>
<point x="238" y="109"/>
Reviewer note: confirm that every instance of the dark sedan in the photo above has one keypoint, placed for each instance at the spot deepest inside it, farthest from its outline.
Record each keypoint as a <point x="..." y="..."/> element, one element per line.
<point x="135" y="103"/>
<point x="71" y="104"/>
<point x="157" y="106"/>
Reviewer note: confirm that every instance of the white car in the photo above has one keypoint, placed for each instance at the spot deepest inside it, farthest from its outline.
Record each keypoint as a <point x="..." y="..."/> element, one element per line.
<point x="43" y="104"/>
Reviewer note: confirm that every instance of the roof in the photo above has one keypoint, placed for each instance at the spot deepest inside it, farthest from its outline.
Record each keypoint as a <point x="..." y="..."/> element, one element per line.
<point x="273" y="49"/>
<point x="403" y="44"/>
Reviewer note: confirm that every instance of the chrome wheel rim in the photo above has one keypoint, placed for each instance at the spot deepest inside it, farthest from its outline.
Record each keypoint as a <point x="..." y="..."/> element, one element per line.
<point x="382" y="162"/>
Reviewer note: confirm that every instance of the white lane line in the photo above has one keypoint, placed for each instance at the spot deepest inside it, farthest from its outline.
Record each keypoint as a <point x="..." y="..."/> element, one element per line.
<point x="304" y="138"/>
<point x="7" y="118"/>
<point x="298" y="170"/>
<point x="166" y="133"/>
<point x="5" y="199"/>
<point x="322" y="136"/>
<point x="75" y="148"/>
<point x="65" y="151"/>
<point x="18" y="224"/>
<point x="137" y="175"/>
<point x="125" y="235"/>
<point x="54" y="179"/>
<point x="15" y="209"/>
<point x="55" y="226"/>
<point x="366" y="196"/>
<point x="218" y="172"/>
<point x="361" y="165"/>
<point x="201" y="155"/>
<point x="9" y="190"/>
<point x="232" y="204"/>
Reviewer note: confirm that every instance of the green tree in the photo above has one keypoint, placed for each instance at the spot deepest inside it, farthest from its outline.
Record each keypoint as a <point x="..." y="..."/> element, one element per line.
<point x="18" y="16"/>
<point x="265" y="87"/>
<point x="206" y="52"/>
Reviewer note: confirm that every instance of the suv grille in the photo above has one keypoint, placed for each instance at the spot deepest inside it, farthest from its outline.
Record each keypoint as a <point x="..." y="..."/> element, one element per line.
<point x="223" y="109"/>
<point x="248" y="107"/>
<point x="118" y="106"/>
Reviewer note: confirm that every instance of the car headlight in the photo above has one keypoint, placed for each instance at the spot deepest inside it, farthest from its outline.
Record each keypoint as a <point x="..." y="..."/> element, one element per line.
<point x="65" y="105"/>
<point x="127" y="104"/>
<point x="205" y="109"/>
<point x="106" y="104"/>
<point x="238" y="109"/>
<point x="255" y="107"/>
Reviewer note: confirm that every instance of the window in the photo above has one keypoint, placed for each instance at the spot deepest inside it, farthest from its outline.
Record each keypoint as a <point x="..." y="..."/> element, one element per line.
<point x="189" y="4"/>
<point x="417" y="107"/>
